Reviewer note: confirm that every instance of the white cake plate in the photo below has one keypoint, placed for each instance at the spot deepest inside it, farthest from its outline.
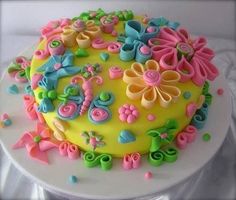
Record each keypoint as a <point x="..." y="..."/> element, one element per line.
<point x="93" y="183"/>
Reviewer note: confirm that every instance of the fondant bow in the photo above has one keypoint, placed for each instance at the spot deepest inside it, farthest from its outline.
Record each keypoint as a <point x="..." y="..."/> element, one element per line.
<point x="162" y="135"/>
<point x="57" y="67"/>
<point x="37" y="143"/>
<point x="149" y="85"/>
<point x="135" y="41"/>
<point x="31" y="108"/>
<point x="18" y="69"/>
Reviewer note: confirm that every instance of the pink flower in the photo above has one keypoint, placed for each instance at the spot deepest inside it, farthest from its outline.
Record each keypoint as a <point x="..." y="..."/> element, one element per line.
<point x="37" y="142"/>
<point x="176" y="50"/>
<point x="128" y="113"/>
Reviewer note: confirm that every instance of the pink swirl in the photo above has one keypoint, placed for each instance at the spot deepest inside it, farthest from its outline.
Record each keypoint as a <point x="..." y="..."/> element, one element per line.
<point x="99" y="114"/>
<point x="152" y="78"/>
<point x="56" y="50"/>
<point x="115" y="72"/>
<point x="114" y="47"/>
<point x="99" y="43"/>
<point x="78" y="25"/>
<point x="41" y="54"/>
<point x="68" y="109"/>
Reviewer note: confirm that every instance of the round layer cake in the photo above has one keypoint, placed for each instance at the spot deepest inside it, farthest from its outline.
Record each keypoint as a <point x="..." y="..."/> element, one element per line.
<point x="117" y="83"/>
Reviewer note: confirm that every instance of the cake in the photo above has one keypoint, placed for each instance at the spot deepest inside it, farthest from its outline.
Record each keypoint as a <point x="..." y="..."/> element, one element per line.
<point x="115" y="85"/>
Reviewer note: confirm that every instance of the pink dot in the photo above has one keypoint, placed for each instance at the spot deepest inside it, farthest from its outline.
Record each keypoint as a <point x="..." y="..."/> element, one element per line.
<point x="145" y="50"/>
<point x="220" y="91"/>
<point x="4" y="117"/>
<point x="151" y="29"/>
<point x="151" y="117"/>
<point x="148" y="175"/>
<point x="57" y="66"/>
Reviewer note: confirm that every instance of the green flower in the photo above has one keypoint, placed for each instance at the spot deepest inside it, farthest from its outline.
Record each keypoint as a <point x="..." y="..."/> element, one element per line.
<point x="163" y="134"/>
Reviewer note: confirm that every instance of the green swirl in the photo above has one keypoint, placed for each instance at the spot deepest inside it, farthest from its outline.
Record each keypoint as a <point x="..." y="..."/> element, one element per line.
<point x="92" y="160"/>
<point x="156" y="158"/>
<point x="171" y="154"/>
<point x="208" y="98"/>
<point x="205" y="88"/>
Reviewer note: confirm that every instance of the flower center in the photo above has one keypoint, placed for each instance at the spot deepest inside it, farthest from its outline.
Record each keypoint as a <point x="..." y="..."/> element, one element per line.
<point x="79" y="25"/>
<point x="37" y="138"/>
<point x="184" y="49"/>
<point x="152" y="78"/>
<point x="57" y="66"/>
<point x="164" y="135"/>
<point x="55" y="43"/>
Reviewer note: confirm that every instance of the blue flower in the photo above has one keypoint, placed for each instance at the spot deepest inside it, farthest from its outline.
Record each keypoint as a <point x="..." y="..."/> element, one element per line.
<point x="161" y="21"/>
<point x="135" y="40"/>
<point x="57" y="67"/>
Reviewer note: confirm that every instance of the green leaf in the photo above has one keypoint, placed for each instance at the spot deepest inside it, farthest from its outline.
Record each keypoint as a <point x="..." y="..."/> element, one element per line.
<point x="13" y="68"/>
<point x="155" y="144"/>
<point x="85" y="134"/>
<point x="171" y="124"/>
<point x="87" y="141"/>
<point x="99" y="137"/>
<point x="91" y="133"/>
<point x="101" y="144"/>
<point x="27" y="72"/>
<point x="152" y="133"/>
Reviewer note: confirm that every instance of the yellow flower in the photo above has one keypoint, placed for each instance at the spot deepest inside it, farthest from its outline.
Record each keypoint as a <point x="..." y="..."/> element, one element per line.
<point x="149" y="84"/>
<point x="80" y="33"/>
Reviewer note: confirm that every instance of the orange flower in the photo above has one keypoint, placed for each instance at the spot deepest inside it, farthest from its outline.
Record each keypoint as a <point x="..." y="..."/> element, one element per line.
<point x="149" y="84"/>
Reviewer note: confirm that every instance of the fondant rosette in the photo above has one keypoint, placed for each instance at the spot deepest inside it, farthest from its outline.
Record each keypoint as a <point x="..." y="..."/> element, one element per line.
<point x="150" y="85"/>
<point x="176" y="50"/>
<point x="81" y="33"/>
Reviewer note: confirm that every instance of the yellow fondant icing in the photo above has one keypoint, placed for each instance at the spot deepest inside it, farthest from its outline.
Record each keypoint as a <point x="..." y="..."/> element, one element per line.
<point x="111" y="129"/>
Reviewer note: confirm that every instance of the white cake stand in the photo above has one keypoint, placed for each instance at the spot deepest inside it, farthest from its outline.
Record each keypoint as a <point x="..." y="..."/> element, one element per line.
<point x="117" y="183"/>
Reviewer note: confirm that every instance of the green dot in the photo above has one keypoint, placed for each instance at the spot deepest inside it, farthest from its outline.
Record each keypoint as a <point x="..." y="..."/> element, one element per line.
<point x="206" y="137"/>
<point x="86" y="74"/>
<point x="104" y="96"/>
<point x="55" y="43"/>
<point x="187" y="95"/>
<point x="37" y="138"/>
<point x="52" y="94"/>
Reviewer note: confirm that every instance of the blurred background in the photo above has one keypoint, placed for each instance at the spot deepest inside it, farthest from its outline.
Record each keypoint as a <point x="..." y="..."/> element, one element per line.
<point x="22" y="20"/>
<point x="212" y="18"/>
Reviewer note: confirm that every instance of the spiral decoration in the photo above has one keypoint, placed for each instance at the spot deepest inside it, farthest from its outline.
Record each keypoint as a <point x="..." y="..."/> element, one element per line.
<point x="56" y="47"/>
<point x="98" y="111"/>
<point x="158" y="157"/>
<point x="92" y="160"/>
<point x="68" y="111"/>
<point x="200" y="117"/>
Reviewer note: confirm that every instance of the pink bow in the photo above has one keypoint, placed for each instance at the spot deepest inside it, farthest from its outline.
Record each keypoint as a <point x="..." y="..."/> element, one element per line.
<point x="188" y="135"/>
<point x="131" y="161"/>
<point x="68" y="149"/>
<point x="31" y="108"/>
<point x="37" y="142"/>
<point x="54" y="27"/>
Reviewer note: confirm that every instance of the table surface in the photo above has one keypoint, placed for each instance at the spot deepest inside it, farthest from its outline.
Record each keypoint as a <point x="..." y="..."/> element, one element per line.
<point x="216" y="180"/>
